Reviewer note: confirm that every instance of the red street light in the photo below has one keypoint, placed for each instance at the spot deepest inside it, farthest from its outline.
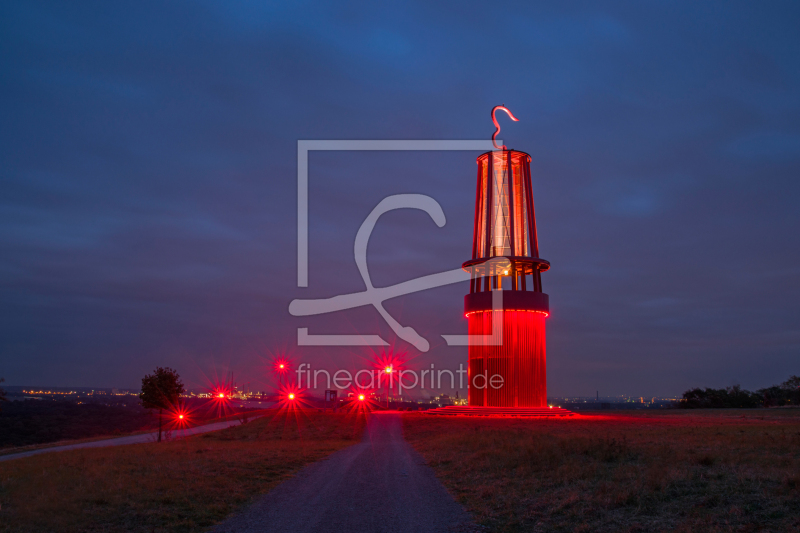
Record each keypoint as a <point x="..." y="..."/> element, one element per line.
<point x="291" y="396"/>
<point x="361" y="397"/>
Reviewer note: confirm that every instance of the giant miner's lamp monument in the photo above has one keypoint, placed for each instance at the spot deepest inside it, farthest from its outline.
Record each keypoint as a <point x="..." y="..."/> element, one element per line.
<point x="507" y="374"/>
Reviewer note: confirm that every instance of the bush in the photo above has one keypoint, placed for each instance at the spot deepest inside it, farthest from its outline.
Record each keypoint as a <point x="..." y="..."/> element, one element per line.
<point x="731" y="397"/>
<point x="787" y="393"/>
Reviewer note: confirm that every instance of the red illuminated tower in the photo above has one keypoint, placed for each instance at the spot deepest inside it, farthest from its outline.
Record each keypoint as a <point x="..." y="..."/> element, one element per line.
<point x="505" y="257"/>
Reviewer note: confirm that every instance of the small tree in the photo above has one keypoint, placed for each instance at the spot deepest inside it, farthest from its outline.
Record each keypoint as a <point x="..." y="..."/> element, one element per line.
<point x="161" y="390"/>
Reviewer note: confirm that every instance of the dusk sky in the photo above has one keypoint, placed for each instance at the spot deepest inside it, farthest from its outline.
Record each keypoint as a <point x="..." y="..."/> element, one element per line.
<point x="148" y="194"/>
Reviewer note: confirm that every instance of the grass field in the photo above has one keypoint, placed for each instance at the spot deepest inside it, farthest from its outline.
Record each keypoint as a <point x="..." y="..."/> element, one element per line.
<point x="47" y="421"/>
<point x="183" y="485"/>
<point x="170" y="431"/>
<point x="716" y="470"/>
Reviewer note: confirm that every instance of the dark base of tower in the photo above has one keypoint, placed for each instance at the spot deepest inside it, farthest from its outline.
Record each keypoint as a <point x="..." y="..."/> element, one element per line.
<point x="523" y="412"/>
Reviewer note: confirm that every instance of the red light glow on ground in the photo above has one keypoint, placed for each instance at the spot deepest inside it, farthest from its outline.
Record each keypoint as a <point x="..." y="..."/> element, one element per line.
<point x="178" y="417"/>
<point x="361" y="401"/>
<point x="289" y="395"/>
<point x="292" y="399"/>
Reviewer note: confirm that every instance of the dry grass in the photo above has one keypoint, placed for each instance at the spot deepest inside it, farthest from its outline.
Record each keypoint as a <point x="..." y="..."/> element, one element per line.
<point x="168" y="430"/>
<point x="182" y="485"/>
<point x="698" y="471"/>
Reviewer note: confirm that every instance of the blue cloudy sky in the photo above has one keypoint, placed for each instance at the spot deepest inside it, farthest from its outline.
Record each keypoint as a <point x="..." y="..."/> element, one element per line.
<point x="149" y="173"/>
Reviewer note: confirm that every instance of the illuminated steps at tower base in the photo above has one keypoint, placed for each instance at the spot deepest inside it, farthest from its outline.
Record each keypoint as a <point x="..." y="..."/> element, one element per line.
<point x="524" y="412"/>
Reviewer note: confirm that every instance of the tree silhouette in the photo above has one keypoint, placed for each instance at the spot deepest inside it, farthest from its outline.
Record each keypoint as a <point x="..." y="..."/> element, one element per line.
<point x="2" y="393"/>
<point x="161" y="390"/>
<point x="787" y="393"/>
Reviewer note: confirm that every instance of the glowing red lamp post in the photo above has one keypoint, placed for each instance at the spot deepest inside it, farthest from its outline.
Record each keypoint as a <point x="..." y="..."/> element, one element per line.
<point x="388" y="371"/>
<point x="280" y="367"/>
<point x="505" y="257"/>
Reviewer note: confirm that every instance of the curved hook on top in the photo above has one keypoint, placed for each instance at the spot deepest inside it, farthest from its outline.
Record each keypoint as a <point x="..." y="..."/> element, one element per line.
<point x="496" y="125"/>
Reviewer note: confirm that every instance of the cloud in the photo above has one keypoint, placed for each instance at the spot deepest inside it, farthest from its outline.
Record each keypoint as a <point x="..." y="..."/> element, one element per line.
<point x="148" y="184"/>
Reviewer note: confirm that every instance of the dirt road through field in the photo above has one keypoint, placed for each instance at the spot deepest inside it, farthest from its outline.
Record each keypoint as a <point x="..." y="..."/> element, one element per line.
<point x="378" y="485"/>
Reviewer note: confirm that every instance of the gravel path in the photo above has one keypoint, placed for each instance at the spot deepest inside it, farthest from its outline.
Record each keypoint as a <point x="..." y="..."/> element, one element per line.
<point x="378" y="485"/>
<point x="130" y="439"/>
